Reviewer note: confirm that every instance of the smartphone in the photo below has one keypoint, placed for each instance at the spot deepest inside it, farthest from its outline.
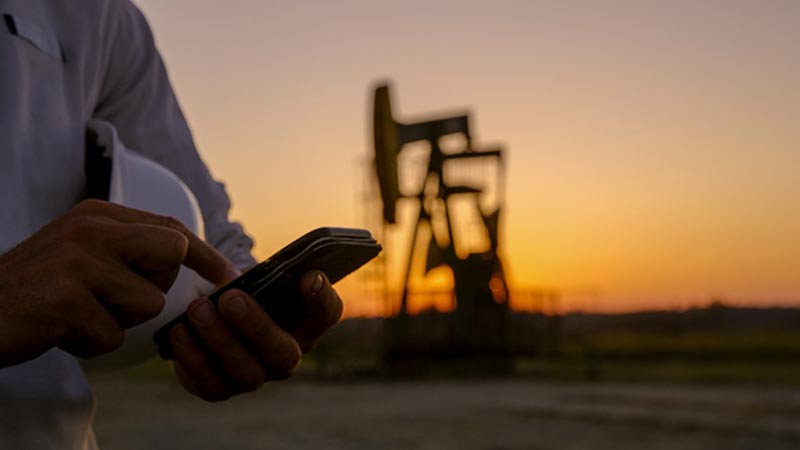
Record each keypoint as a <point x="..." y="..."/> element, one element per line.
<point x="274" y="283"/>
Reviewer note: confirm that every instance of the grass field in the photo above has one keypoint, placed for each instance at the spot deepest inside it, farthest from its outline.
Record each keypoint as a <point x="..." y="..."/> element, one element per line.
<point x="711" y="358"/>
<point x="712" y="389"/>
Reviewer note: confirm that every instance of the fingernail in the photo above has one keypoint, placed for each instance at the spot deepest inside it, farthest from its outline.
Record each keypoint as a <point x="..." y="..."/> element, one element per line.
<point x="236" y="307"/>
<point x="318" y="282"/>
<point x="203" y="314"/>
<point x="181" y="335"/>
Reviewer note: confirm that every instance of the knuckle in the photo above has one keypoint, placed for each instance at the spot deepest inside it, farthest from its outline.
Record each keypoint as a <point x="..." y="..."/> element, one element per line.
<point x="282" y="365"/>
<point x="90" y="205"/>
<point x="217" y="395"/>
<point x="57" y="332"/>
<point x="81" y="350"/>
<point x="178" y="247"/>
<point x="175" y="242"/>
<point x="278" y="376"/>
<point x="94" y="272"/>
<point x="156" y="303"/>
<point x="109" y="338"/>
<point x="75" y="256"/>
<point x="97" y="340"/>
<point x="68" y="310"/>
<point x="249" y="379"/>
<point x="114" y="339"/>
<point x="148" y="306"/>
<point x="173" y="223"/>
<point x="225" y="340"/>
<point x="213" y="390"/>
<point x="85" y="226"/>
<point x="259" y="331"/>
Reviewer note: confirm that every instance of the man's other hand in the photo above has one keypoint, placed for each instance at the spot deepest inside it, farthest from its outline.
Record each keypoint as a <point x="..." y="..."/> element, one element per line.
<point x="83" y="278"/>
<point x="236" y="347"/>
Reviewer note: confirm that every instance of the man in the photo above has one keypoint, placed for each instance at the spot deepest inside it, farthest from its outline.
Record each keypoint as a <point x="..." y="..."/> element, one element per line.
<point x="79" y="272"/>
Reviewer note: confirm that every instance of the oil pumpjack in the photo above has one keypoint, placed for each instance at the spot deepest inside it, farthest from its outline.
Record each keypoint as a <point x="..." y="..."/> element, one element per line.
<point x="477" y="325"/>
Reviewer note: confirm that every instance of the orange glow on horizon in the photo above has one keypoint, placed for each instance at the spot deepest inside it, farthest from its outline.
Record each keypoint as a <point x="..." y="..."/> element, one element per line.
<point x="652" y="147"/>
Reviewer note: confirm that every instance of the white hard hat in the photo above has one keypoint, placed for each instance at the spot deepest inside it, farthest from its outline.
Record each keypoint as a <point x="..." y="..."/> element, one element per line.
<point x="140" y="183"/>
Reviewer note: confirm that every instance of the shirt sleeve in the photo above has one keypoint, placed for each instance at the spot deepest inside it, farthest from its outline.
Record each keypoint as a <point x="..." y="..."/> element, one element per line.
<point x="137" y="97"/>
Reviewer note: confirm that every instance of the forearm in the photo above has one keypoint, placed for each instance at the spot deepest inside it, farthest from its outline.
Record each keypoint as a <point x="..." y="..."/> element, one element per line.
<point x="139" y="101"/>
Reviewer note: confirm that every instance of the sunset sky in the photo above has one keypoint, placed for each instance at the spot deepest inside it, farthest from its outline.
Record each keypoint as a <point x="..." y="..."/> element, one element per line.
<point x="654" y="147"/>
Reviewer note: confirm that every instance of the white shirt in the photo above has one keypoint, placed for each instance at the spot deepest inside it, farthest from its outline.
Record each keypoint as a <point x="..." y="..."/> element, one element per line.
<point x="63" y="63"/>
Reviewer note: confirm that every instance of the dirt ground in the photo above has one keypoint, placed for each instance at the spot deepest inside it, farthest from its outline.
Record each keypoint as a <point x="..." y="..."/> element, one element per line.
<point x="488" y="415"/>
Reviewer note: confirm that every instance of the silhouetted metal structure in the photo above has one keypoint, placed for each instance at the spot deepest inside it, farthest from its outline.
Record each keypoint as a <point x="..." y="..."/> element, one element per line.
<point x="478" y="324"/>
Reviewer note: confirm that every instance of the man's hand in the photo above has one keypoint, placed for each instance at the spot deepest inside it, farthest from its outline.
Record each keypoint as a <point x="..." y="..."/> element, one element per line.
<point x="100" y="268"/>
<point x="237" y="347"/>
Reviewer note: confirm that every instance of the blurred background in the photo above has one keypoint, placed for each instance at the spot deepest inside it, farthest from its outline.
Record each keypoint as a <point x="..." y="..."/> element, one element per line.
<point x="639" y="217"/>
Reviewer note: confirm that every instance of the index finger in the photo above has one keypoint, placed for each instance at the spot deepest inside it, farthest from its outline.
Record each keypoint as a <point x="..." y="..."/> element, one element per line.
<point x="201" y="257"/>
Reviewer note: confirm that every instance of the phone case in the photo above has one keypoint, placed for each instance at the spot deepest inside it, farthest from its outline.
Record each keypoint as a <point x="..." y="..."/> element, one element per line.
<point x="273" y="283"/>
